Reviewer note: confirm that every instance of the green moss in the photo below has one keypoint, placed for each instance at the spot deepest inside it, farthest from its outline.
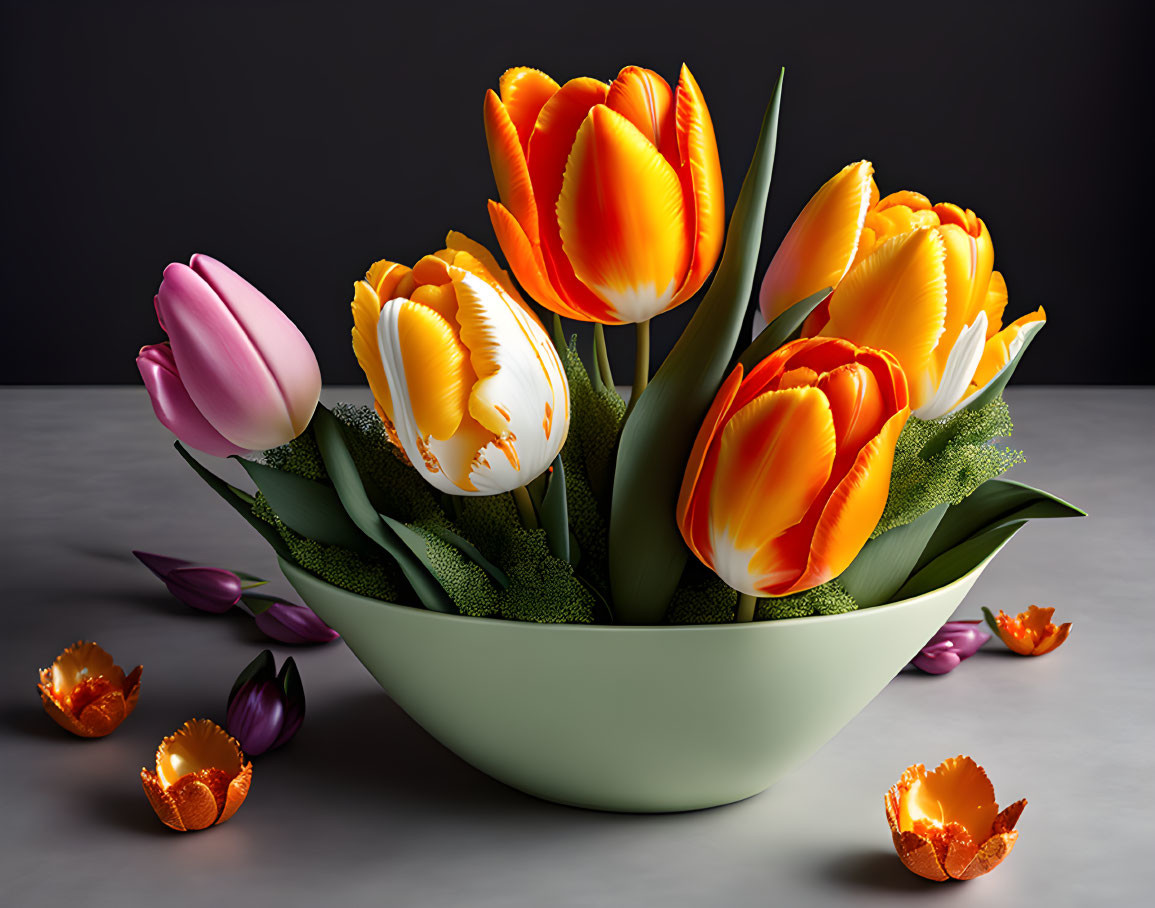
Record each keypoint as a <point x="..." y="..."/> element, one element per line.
<point x="466" y="583"/>
<point x="828" y="599"/>
<point x="943" y="461"/>
<point x="702" y="598"/>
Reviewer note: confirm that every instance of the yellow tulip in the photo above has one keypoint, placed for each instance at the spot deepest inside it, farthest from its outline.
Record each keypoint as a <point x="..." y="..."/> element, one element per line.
<point x="908" y="276"/>
<point x="791" y="468"/>
<point x="465" y="378"/>
<point x="611" y="195"/>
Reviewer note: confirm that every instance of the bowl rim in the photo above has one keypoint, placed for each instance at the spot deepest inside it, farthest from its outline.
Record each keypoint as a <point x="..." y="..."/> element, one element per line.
<point x="288" y="567"/>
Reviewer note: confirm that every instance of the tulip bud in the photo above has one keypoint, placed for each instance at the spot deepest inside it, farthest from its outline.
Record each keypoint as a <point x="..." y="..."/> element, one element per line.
<point x="954" y="642"/>
<point x="236" y="374"/>
<point x="286" y="622"/>
<point x="209" y="589"/>
<point x="466" y="380"/>
<point x="265" y="709"/>
<point x="86" y="693"/>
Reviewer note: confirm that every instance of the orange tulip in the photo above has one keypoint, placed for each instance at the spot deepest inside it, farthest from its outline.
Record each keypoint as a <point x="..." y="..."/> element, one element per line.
<point x="86" y="693"/>
<point x="946" y="824"/>
<point x="908" y="276"/>
<point x="1029" y="633"/>
<point x="465" y="378"/>
<point x="611" y="195"/>
<point x="791" y="468"/>
<point x="201" y="777"/>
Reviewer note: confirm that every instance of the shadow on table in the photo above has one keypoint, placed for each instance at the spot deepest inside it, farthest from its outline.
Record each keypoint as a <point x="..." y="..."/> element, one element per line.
<point x="125" y="809"/>
<point x="875" y="869"/>
<point x="29" y="720"/>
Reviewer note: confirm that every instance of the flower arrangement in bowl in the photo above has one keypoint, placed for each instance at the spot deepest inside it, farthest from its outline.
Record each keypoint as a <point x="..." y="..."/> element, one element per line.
<point x="656" y="605"/>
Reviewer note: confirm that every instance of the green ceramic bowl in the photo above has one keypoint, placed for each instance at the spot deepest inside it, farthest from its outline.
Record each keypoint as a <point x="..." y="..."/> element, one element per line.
<point x="639" y="719"/>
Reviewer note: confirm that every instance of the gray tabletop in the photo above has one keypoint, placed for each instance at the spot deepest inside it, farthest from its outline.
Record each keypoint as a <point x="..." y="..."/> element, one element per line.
<point x="365" y="808"/>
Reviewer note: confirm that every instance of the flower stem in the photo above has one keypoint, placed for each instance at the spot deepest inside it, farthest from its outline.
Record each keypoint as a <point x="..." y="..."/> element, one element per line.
<point x="525" y="508"/>
<point x="746" y="605"/>
<point x="641" y="363"/>
<point x="603" y="356"/>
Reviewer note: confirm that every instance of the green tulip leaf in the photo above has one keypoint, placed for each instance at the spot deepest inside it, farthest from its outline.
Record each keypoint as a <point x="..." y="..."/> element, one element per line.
<point x="885" y="562"/>
<point x="263" y="668"/>
<point x="554" y="512"/>
<point x="602" y="358"/>
<point x="258" y="603"/>
<point x="999" y="382"/>
<point x="241" y="502"/>
<point x="312" y="509"/>
<point x="290" y="683"/>
<point x="782" y="329"/>
<point x="351" y="491"/>
<point x="995" y="502"/>
<point x="958" y="561"/>
<point x="991" y="622"/>
<point x="647" y="553"/>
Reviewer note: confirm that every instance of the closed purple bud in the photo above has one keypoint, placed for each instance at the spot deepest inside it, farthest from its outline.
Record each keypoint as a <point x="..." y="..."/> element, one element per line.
<point x="209" y="589"/>
<point x="256" y="716"/>
<point x="954" y="642"/>
<point x="286" y="622"/>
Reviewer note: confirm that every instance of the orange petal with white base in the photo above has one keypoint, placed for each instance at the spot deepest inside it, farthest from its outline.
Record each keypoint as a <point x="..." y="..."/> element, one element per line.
<point x="621" y="217"/>
<point x="946" y="824"/>
<point x="821" y="244"/>
<point x="86" y="693"/>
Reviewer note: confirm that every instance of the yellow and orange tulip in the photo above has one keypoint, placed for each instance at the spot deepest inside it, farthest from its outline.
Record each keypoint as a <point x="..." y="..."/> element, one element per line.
<point x="611" y="195"/>
<point x="908" y="276"/>
<point x="791" y="468"/>
<point x="464" y="376"/>
<point x="946" y="824"/>
<point x="86" y="693"/>
<point x="201" y="777"/>
<point x="1029" y="633"/>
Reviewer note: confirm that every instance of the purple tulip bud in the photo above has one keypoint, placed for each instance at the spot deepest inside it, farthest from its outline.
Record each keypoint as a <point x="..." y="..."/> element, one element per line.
<point x="209" y="589"/>
<point x="265" y="710"/>
<point x="954" y="642"/>
<point x="287" y="622"/>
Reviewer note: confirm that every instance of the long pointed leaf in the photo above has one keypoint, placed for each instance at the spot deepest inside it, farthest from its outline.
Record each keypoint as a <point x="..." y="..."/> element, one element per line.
<point x="470" y="551"/>
<point x="241" y="502"/>
<point x="647" y="553"/>
<point x="781" y="329"/>
<point x="555" y="512"/>
<point x="955" y="562"/>
<point x="310" y="508"/>
<point x="885" y="563"/>
<point x="343" y="472"/>
<point x="993" y="503"/>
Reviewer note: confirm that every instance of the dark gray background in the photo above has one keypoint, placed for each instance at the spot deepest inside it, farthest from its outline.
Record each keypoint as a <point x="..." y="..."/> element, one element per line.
<point x="299" y="142"/>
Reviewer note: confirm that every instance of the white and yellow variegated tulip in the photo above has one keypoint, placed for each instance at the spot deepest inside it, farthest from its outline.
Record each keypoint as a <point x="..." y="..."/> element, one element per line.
<point x="910" y="277"/>
<point x="464" y="376"/>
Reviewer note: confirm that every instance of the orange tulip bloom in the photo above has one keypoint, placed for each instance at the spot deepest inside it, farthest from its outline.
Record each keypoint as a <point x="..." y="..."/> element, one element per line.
<point x="791" y="468"/>
<point x="86" y="693"/>
<point x="201" y="777"/>
<point x="908" y="276"/>
<point x="946" y="823"/>
<point x="465" y="377"/>
<point x="1029" y="633"/>
<point x="611" y="195"/>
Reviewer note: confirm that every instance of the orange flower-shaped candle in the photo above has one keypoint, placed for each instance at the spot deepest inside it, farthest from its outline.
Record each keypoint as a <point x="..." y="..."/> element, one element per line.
<point x="201" y="777"/>
<point x="1029" y="633"/>
<point x="86" y="693"/>
<point x="946" y="824"/>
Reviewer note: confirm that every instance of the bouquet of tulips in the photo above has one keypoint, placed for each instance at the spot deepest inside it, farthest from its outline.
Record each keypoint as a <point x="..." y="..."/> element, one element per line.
<point x="842" y="458"/>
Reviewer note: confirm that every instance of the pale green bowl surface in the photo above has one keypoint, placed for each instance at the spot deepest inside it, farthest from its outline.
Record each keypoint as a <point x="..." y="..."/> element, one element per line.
<point x="640" y="719"/>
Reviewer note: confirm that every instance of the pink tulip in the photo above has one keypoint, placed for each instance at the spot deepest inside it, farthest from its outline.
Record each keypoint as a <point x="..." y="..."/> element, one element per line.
<point x="236" y="374"/>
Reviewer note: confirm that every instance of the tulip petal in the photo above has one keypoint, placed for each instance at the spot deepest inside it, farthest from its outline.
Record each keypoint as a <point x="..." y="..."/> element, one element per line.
<point x="524" y="91"/>
<point x="701" y="175"/>
<point x="104" y="714"/>
<point x="195" y="796"/>
<point x="918" y="855"/>
<point x="436" y="365"/>
<point x="821" y="244"/>
<point x="282" y="347"/>
<point x="161" y="801"/>
<point x="527" y="262"/>
<point x="549" y="150"/>
<point x="781" y="433"/>
<point x="645" y="99"/>
<point x="236" y="793"/>
<point x="968" y="264"/>
<point x="964" y="358"/>
<point x="995" y="303"/>
<point x="622" y="217"/>
<point x="852" y="511"/>
<point x="895" y="300"/>
<point x="64" y="719"/>
<point x="494" y="273"/>
<point x="507" y="159"/>
<point x="198" y="744"/>
<point x="174" y="408"/>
